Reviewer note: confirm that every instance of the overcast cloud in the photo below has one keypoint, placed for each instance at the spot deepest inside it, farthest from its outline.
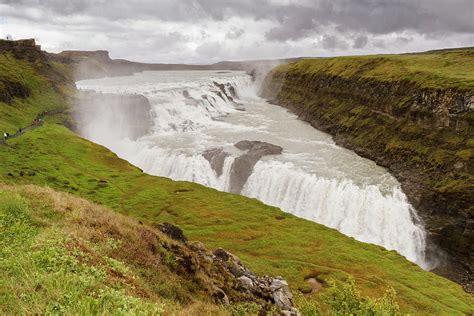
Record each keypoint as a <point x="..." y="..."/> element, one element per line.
<point x="204" y="31"/>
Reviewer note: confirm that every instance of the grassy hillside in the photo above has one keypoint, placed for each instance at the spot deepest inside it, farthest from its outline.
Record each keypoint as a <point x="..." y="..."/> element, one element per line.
<point x="445" y="69"/>
<point x="64" y="255"/>
<point x="267" y="240"/>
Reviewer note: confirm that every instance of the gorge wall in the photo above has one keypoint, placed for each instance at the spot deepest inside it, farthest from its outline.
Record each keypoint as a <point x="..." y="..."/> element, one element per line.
<point x="419" y="125"/>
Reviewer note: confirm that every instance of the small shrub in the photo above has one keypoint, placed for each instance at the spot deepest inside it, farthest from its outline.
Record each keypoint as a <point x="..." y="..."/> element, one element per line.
<point x="346" y="300"/>
<point x="307" y="307"/>
<point x="243" y="309"/>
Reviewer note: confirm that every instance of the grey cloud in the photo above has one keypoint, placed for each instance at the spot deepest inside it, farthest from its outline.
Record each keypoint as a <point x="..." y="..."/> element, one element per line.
<point x="209" y="49"/>
<point x="234" y="33"/>
<point x="342" y="25"/>
<point x="293" y="19"/>
<point x="404" y="39"/>
<point x="360" y="41"/>
<point x="376" y="17"/>
<point x="332" y="42"/>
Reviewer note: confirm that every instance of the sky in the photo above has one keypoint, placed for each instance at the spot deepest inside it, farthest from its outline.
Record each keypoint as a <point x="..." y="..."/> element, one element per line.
<point x="207" y="31"/>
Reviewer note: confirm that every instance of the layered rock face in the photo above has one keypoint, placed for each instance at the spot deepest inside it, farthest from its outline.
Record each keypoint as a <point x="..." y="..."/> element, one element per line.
<point x="12" y="89"/>
<point x="423" y="135"/>
<point x="23" y="49"/>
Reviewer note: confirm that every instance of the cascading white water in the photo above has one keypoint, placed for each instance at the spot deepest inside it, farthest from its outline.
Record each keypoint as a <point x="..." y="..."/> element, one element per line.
<point x="363" y="212"/>
<point x="313" y="178"/>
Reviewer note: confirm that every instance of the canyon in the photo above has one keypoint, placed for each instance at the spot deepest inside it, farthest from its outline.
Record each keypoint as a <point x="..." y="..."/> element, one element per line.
<point x="193" y="126"/>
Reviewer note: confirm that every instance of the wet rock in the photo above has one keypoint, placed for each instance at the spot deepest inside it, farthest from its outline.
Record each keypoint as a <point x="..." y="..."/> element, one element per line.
<point x="243" y="166"/>
<point x="186" y="94"/>
<point x="226" y="90"/>
<point x="259" y="148"/>
<point x="216" y="158"/>
<point x="232" y="91"/>
<point x="173" y="232"/>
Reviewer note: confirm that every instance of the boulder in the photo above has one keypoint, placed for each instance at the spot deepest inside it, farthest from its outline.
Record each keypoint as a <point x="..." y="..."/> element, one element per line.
<point x="173" y="232"/>
<point x="216" y="158"/>
<point x="243" y="166"/>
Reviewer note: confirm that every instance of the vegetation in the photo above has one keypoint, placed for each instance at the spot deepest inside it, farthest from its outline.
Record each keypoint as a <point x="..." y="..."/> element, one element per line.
<point x="447" y="69"/>
<point x="58" y="245"/>
<point x="345" y="299"/>
<point x="64" y="255"/>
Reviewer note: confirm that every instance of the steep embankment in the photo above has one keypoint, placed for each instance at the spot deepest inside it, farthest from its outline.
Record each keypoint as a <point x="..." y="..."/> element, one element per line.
<point x="413" y="114"/>
<point x="99" y="261"/>
<point x="267" y="240"/>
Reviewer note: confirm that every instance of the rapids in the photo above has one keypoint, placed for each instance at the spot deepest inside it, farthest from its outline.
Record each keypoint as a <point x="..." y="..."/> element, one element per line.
<point x="195" y="111"/>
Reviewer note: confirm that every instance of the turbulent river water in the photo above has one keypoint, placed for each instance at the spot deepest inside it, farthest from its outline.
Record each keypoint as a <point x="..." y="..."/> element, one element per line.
<point x="193" y="112"/>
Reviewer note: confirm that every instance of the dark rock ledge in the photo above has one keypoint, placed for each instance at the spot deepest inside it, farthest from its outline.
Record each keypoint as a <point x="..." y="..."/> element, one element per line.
<point x="231" y="281"/>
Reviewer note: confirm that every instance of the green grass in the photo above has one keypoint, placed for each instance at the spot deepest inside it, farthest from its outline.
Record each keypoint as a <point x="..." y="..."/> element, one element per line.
<point x="41" y="274"/>
<point x="441" y="70"/>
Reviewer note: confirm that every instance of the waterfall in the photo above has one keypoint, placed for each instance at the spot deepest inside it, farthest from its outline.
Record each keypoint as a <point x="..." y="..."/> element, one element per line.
<point x="313" y="178"/>
<point x="362" y="212"/>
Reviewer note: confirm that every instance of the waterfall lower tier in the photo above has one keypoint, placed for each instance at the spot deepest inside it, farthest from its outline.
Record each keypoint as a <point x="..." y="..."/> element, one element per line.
<point x="362" y="212"/>
<point x="199" y="117"/>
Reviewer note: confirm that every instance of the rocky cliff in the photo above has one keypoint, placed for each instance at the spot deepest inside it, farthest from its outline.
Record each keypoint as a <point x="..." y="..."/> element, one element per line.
<point x="413" y="114"/>
<point x="23" y="49"/>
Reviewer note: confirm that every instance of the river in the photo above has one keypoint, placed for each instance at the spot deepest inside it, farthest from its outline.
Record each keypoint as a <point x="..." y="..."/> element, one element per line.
<point x="196" y="111"/>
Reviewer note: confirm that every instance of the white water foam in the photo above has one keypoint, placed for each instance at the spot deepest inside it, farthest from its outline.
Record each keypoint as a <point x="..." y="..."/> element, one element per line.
<point x="313" y="178"/>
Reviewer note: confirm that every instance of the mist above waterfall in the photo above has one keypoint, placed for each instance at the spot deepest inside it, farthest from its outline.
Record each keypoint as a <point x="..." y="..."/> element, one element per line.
<point x="198" y="119"/>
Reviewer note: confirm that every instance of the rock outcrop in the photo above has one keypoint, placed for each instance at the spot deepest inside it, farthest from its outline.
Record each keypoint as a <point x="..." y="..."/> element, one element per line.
<point x="11" y="89"/>
<point x="226" y="278"/>
<point x="23" y="49"/>
<point x="423" y="135"/>
<point x="243" y="165"/>
<point x="216" y="158"/>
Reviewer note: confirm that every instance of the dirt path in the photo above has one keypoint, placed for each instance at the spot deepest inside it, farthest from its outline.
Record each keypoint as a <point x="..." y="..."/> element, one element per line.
<point x="39" y="120"/>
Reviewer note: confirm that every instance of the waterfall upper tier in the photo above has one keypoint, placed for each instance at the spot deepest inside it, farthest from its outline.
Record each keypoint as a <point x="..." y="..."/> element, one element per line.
<point x="201" y="134"/>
